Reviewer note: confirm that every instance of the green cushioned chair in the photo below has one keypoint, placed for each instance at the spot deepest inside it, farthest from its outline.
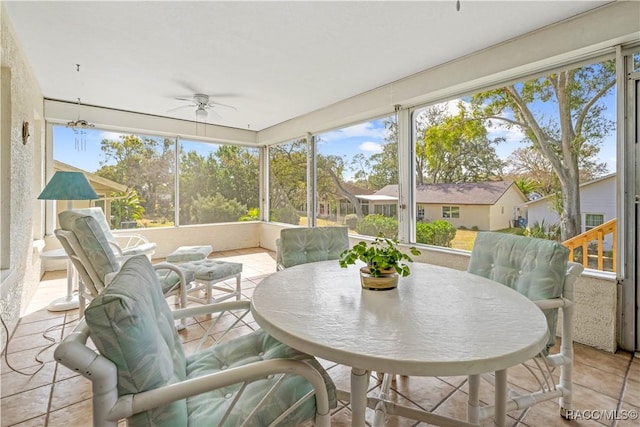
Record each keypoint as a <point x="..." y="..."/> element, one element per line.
<point x="124" y="245"/>
<point x="540" y="270"/>
<point x="142" y="373"/>
<point x="302" y="245"/>
<point x="92" y="255"/>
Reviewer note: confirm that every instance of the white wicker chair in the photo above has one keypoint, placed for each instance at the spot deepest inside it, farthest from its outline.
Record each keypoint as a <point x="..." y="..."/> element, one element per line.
<point x="92" y="255"/>
<point x="540" y="270"/>
<point x="123" y="244"/>
<point x="140" y="370"/>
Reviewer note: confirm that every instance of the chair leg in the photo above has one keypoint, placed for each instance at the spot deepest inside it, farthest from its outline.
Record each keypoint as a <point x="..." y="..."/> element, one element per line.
<point x="238" y="288"/>
<point x="566" y="369"/>
<point x="183" y="304"/>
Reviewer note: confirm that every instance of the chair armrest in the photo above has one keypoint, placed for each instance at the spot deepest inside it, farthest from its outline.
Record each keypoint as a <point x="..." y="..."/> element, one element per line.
<point x="135" y="403"/>
<point x="552" y="303"/>
<point x="130" y="240"/>
<point x="182" y="283"/>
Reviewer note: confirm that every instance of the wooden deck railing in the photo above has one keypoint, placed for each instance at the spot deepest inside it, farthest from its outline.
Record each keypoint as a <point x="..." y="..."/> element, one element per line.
<point x="597" y="234"/>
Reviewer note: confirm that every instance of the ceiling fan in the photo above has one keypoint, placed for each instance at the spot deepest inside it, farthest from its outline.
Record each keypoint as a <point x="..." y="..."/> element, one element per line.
<point x="204" y="105"/>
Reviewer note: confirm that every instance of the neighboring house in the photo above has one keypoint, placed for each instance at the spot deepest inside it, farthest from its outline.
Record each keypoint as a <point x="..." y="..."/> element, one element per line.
<point x="597" y="205"/>
<point x="342" y="205"/>
<point x="485" y="205"/>
<point x="102" y="186"/>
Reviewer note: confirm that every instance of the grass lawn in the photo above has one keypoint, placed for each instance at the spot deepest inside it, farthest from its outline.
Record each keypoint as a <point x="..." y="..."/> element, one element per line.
<point x="464" y="239"/>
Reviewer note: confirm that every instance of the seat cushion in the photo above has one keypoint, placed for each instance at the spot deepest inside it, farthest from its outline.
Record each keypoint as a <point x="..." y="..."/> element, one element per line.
<point x="303" y="245"/>
<point x="132" y="325"/>
<point x="190" y="253"/>
<point x="211" y="269"/>
<point x="208" y="408"/>
<point x="534" y="267"/>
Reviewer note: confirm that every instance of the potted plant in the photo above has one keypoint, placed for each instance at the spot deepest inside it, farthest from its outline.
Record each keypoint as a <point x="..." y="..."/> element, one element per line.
<point x="385" y="262"/>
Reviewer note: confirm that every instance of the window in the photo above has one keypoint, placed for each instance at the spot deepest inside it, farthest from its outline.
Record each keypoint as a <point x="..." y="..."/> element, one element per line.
<point x="288" y="182"/>
<point x="218" y="183"/>
<point x="450" y="212"/>
<point x="420" y="213"/>
<point x="356" y="164"/>
<point x="467" y="148"/>
<point x="387" y="210"/>
<point x="592" y="221"/>
<point x="132" y="174"/>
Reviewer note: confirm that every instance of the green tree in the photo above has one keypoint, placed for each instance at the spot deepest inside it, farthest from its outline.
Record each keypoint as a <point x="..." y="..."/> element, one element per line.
<point x="458" y="149"/>
<point x="384" y="165"/>
<point x="143" y="164"/>
<point x="229" y="171"/>
<point x="287" y="180"/>
<point x="212" y="209"/>
<point x="561" y="115"/>
<point x="125" y="207"/>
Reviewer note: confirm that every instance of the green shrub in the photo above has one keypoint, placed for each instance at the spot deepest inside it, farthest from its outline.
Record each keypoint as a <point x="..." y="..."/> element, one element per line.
<point x="378" y="225"/>
<point x="211" y="209"/>
<point x="437" y="233"/>
<point x="287" y="214"/>
<point x="542" y="230"/>
<point x="351" y="221"/>
<point x="252" y="214"/>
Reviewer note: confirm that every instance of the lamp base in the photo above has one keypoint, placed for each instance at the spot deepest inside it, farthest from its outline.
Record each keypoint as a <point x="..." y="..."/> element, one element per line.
<point x="64" y="304"/>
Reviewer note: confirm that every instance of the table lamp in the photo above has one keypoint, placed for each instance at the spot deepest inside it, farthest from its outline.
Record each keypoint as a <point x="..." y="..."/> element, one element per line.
<point x="66" y="186"/>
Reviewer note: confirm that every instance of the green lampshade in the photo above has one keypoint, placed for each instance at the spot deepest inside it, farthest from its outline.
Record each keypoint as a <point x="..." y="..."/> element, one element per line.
<point x="68" y="186"/>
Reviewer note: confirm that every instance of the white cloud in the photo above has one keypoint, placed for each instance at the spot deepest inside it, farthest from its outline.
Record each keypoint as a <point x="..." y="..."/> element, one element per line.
<point x="360" y="130"/>
<point x="110" y="135"/>
<point x="511" y="135"/>
<point x="370" y="146"/>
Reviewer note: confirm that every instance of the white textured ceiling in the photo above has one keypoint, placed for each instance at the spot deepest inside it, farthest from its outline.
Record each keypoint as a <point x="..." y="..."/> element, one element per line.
<point x="271" y="60"/>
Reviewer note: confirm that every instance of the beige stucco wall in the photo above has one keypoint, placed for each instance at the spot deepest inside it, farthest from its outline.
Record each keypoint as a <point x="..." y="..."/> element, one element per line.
<point x="504" y="210"/>
<point x="470" y="215"/>
<point x="22" y="175"/>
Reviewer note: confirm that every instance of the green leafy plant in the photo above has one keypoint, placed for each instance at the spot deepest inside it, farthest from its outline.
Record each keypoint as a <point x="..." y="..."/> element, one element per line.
<point x="380" y="255"/>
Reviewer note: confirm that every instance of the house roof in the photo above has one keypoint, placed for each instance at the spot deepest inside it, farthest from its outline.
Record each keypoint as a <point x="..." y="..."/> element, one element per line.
<point x="98" y="183"/>
<point x="467" y="193"/>
<point x="356" y="189"/>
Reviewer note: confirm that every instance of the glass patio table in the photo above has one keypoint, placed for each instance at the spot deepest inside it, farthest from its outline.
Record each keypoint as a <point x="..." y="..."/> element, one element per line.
<point x="437" y="322"/>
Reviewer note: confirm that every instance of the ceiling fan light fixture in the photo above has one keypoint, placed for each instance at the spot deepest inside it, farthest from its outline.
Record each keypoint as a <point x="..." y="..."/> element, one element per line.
<point x="201" y="114"/>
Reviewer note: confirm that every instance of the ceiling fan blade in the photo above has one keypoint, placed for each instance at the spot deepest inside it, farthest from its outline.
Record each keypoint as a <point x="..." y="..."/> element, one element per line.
<point x="214" y="114"/>
<point x="213" y="103"/>
<point x="180" y="108"/>
<point x="188" y="86"/>
<point x="223" y="95"/>
<point x="185" y="98"/>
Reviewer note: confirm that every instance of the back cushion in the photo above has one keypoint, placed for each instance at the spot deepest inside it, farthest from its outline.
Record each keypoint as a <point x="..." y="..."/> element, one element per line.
<point x="92" y="239"/>
<point x="534" y="267"/>
<point x="302" y="245"/>
<point x="100" y="218"/>
<point x="132" y="325"/>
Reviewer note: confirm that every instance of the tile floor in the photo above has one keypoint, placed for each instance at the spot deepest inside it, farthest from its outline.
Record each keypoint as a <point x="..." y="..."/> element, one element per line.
<point x="46" y="394"/>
